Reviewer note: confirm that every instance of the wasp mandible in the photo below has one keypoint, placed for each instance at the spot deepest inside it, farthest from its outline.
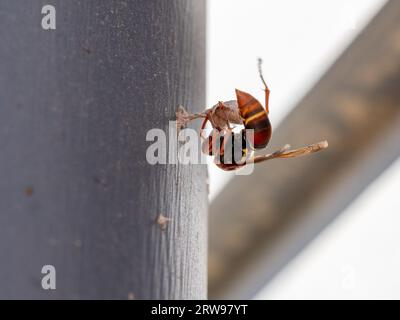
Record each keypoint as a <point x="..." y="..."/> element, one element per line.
<point x="248" y="112"/>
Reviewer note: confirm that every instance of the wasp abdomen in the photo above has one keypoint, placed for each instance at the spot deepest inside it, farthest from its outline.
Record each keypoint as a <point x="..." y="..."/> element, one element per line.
<point x="254" y="117"/>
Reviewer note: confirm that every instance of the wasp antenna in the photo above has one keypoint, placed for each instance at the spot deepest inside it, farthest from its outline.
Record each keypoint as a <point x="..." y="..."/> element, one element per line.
<point x="323" y="144"/>
<point x="260" y="72"/>
<point x="315" y="147"/>
<point x="285" y="153"/>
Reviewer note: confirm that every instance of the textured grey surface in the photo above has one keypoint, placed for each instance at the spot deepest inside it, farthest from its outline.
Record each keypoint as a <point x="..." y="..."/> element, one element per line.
<point x="76" y="191"/>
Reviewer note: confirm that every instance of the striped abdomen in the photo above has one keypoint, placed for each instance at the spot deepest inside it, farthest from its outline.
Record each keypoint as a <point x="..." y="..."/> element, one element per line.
<point x="254" y="117"/>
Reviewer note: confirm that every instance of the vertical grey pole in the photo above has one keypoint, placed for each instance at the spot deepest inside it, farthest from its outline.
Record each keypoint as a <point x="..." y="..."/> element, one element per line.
<point x="76" y="191"/>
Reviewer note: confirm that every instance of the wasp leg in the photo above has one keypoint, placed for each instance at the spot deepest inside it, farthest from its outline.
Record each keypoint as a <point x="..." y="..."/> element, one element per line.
<point x="183" y="117"/>
<point x="266" y="89"/>
<point x="285" y="153"/>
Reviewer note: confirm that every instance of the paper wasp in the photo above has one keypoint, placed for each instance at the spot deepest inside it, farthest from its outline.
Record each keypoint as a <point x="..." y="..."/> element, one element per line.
<point x="248" y="112"/>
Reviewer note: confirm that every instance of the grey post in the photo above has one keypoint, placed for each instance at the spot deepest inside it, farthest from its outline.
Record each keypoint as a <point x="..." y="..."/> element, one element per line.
<point x="76" y="191"/>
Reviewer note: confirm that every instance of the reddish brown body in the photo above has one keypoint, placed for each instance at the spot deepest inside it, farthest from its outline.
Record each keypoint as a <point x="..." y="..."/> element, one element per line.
<point x="254" y="117"/>
<point x="232" y="150"/>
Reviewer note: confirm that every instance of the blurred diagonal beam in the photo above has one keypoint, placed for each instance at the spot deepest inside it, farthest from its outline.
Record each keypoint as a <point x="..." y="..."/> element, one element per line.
<point x="260" y="222"/>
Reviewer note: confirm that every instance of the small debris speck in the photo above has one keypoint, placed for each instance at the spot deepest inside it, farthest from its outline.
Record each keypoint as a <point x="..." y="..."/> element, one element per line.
<point x="29" y="191"/>
<point x="162" y="221"/>
<point x="87" y="50"/>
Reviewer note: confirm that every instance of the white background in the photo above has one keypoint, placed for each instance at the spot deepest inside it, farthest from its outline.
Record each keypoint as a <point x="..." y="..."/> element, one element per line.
<point x="358" y="255"/>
